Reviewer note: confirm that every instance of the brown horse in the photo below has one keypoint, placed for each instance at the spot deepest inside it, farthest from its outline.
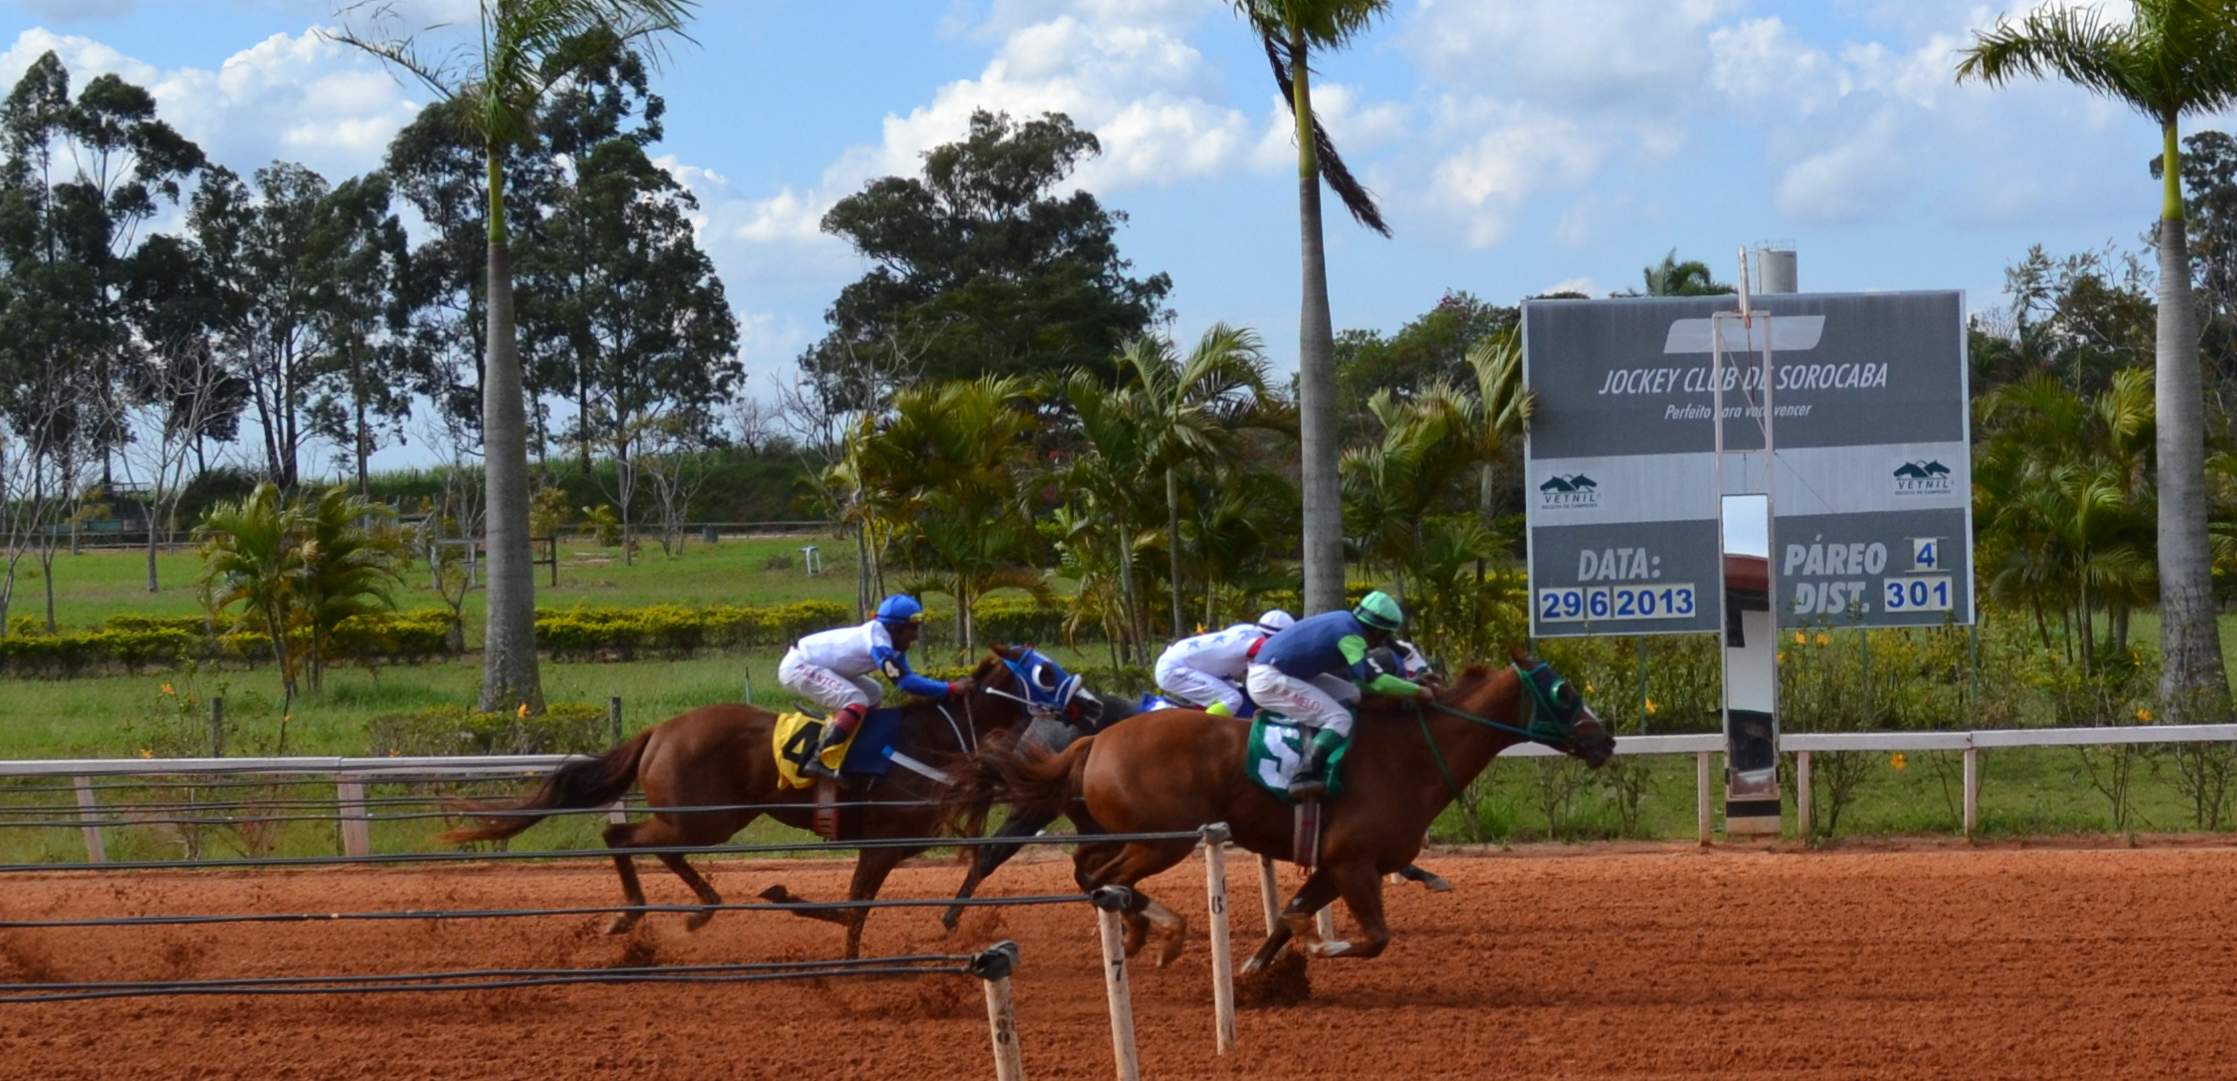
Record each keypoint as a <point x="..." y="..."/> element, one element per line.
<point x="722" y="756"/>
<point x="1179" y="770"/>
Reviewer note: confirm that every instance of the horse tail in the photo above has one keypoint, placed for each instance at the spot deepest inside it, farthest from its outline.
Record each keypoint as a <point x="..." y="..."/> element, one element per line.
<point x="587" y="782"/>
<point x="1023" y="774"/>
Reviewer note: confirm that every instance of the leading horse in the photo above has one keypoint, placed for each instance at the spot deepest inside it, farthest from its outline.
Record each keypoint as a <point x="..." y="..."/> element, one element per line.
<point x="1181" y="770"/>
<point x="724" y="757"/>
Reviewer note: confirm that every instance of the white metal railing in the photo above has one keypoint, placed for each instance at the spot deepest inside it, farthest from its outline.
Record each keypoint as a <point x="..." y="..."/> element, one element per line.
<point x="352" y="774"/>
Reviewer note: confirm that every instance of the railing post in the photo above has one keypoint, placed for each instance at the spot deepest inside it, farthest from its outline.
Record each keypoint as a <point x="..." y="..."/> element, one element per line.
<point x="1701" y="795"/>
<point x="357" y="833"/>
<point x="217" y="726"/>
<point x="1972" y="790"/>
<point x="994" y="967"/>
<point x="88" y="811"/>
<point x="1109" y="901"/>
<point x="613" y="716"/>
<point x="1223" y="958"/>
<point x="1802" y="807"/>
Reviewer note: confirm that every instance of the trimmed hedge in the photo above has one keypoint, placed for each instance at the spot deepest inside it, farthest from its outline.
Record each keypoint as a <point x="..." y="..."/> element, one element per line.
<point x="672" y="630"/>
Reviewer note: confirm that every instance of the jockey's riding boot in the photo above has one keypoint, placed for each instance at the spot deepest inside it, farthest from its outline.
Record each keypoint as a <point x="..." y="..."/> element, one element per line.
<point x="835" y="732"/>
<point x="1312" y="777"/>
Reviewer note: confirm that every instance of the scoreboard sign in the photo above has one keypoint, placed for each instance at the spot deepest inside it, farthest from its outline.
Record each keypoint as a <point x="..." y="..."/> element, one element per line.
<point x="1870" y="477"/>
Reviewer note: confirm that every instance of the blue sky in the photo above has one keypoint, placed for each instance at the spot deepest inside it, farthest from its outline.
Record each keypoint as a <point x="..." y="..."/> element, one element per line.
<point x="1518" y="145"/>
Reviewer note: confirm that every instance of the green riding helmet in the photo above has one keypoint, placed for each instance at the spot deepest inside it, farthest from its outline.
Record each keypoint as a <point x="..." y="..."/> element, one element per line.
<point x="1377" y="610"/>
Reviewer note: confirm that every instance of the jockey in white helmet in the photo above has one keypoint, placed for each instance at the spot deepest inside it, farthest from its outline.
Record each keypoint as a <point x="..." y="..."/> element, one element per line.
<point x="1207" y="671"/>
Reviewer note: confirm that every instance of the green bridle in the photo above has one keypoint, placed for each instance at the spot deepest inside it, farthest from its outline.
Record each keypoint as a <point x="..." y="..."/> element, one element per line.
<point x="1551" y="723"/>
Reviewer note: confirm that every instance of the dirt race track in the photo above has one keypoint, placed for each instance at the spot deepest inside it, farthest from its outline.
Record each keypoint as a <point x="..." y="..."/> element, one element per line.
<point x="1666" y="962"/>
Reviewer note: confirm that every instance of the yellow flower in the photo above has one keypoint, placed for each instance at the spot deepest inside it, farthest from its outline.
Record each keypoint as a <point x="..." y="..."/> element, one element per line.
<point x="524" y="711"/>
<point x="1823" y="639"/>
<point x="1782" y="656"/>
<point x="2144" y="715"/>
<point x="1800" y="638"/>
<point x="1896" y="761"/>
<point x="1652" y="708"/>
<point x="146" y="753"/>
<point x="167" y="689"/>
<point x="1590" y="689"/>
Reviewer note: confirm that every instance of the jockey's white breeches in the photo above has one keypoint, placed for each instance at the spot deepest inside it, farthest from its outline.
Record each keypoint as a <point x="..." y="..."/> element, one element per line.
<point x="827" y="688"/>
<point x="1315" y="703"/>
<point x="1197" y="687"/>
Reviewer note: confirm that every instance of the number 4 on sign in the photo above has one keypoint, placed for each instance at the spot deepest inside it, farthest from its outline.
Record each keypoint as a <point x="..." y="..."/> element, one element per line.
<point x="1926" y="553"/>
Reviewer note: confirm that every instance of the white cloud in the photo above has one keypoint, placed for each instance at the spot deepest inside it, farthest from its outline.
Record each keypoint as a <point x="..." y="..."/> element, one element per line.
<point x="1626" y="55"/>
<point x="294" y="97"/>
<point x="1523" y="153"/>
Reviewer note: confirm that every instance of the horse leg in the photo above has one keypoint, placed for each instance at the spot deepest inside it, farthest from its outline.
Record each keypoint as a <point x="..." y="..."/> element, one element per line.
<point x="1133" y="863"/>
<point x="1362" y="890"/>
<point x="620" y="836"/>
<point x="1313" y="896"/>
<point x="1429" y="881"/>
<point x="989" y="857"/>
<point x="699" y="886"/>
<point x="870" y="870"/>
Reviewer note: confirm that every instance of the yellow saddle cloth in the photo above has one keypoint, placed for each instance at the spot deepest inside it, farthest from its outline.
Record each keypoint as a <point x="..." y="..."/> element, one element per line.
<point x="795" y="737"/>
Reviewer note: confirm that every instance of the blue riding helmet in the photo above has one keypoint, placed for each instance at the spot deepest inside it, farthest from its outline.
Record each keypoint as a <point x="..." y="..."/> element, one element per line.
<point x="900" y="609"/>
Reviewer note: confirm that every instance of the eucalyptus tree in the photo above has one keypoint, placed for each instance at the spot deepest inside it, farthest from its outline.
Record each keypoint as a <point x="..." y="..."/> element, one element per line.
<point x="2171" y="59"/>
<point x="520" y="54"/>
<point x="1292" y="30"/>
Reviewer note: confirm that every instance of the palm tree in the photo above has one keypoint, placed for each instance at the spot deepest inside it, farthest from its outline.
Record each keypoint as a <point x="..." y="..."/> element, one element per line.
<point x="1111" y="475"/>
<point x="2171" y="59"/>
<point x="347" y="567"/>
<point x="1691" y="278"/>
<point x="496" y="86"/>
<point x="1291" y="31"/>
<point x="250" y="557"/>
<point x="1194" y="407"/>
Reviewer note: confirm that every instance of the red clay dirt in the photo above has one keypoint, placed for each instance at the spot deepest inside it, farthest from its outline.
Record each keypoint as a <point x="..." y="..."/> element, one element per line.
<point x="1660" y="962"/>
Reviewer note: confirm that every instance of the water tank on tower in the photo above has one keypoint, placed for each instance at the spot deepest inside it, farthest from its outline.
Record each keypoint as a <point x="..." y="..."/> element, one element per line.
<point x="1774" y="267"/>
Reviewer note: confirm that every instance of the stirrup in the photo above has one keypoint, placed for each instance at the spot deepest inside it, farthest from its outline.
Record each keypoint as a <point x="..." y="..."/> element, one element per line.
<point x="1307" y="785"/>
<point x="814" y="767"/>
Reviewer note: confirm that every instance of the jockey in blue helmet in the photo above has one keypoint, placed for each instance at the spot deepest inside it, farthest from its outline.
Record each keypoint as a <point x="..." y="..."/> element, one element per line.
<point x="832" y="669"/>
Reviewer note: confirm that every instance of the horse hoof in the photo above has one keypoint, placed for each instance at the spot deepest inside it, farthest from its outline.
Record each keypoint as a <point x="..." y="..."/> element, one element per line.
<point x="622" y="924"/>
<point x="1327" y="948"/>
<point x="1170" y="949"/>
<point x="697" y="920"/>
<point x="1435" y="884"/>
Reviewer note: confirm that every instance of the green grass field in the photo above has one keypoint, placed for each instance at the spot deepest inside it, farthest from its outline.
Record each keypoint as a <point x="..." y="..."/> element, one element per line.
<point x="2029" y="791"/>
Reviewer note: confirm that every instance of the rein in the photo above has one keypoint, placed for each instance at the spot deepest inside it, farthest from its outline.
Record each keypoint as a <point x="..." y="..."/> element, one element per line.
<point x="1438" y="756"/>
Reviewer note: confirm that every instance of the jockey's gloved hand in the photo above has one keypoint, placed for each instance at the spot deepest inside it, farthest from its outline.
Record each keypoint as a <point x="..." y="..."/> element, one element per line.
<point x="959" y="688"/>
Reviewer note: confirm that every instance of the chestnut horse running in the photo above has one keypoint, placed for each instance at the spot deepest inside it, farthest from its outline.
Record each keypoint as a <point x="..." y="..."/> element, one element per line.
<point x="1177" y="770"/>
<point x="722" y="756"/>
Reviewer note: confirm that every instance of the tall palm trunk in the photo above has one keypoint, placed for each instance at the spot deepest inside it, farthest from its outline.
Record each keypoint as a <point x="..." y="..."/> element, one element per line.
<point x="509" y="674"/>
<point x="1316" y="366"/>
<point x="2193" y="685"/>
<point x="1173" y="541"/>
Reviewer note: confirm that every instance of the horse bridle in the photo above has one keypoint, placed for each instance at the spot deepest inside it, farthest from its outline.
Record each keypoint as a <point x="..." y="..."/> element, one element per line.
<point x="1552" y="723"/>
<point x="1040" y="702"/>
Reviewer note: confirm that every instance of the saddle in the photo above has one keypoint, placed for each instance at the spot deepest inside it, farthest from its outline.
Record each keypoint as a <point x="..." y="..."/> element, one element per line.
<point x="869" y="752"/>
<point x="1276" y="753"/>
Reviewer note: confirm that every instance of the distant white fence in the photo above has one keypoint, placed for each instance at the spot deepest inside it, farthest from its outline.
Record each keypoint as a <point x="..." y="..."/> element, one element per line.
<point x="351" y="775"/>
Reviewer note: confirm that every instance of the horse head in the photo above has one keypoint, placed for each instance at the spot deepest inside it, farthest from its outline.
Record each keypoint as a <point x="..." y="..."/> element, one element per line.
<point x="1558" y="715"/>
<point x="1027" y="689"/>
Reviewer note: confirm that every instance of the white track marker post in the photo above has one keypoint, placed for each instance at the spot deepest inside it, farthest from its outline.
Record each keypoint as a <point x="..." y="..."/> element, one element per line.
<point x="357" y="834"/>
<point x="1269" y="894"/>
<point x="994" y="966"/>
<point x="1109" y="901"/>
<point x="1223" y="960"/>
<point x="1702" y="820"/>
<point x="1802" y="794"/>
<point x="1972" y="790"/>
<point x="618" y="814"/>
<point x="88" y="812"/>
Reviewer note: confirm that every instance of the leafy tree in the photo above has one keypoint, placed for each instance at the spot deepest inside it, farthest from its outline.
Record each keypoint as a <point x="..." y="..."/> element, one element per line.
<point x="1434" y="346"/>
<point x="1291" y="30"/>
<point x="632" y="320"/>
<point x="2171" y="59"/>
<point x="298" y="568"/>
<point x="526" y="50"/>
<point x="362" y="386"/>
<point x="1691" y="278"/>
<point x="981" y="268"/>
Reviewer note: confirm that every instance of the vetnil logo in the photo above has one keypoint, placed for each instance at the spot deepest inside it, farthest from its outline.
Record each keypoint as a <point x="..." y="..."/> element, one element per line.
<point x="1923" y="478"/>
<point x="1569" y="491"/>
